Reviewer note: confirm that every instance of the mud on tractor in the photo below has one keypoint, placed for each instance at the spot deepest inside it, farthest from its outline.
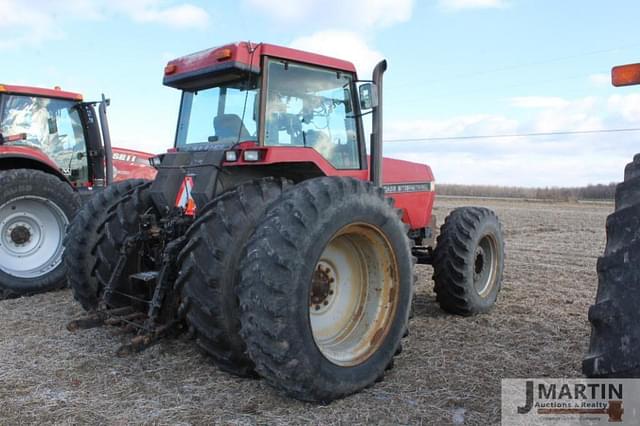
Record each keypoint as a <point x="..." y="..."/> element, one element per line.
<point x="55" y="152"/>
<point x="614" y="348"/>
<point x="271" y="236"/>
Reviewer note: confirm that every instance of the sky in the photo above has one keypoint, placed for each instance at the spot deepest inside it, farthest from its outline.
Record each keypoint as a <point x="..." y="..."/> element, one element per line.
<point x="457" y="68"/>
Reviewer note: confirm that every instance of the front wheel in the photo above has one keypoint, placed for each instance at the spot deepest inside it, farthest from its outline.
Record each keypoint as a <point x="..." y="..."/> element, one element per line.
<point x="468" y="261"/>
<point x="35" y="210"/>
<point x="325" y="289"/>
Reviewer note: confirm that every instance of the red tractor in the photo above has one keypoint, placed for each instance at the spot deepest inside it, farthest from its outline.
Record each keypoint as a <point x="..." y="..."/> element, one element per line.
<point x="52" y="156"/>
<point x="272" y="236"/>
<point x="614" y="349"/>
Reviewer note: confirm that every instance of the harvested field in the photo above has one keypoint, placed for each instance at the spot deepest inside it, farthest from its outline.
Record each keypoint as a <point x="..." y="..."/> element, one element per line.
<point x="449" y="372"/>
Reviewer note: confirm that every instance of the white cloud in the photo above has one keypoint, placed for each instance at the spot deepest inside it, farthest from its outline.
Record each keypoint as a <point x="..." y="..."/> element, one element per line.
<point x="31" y="23"/>
<point x="347" y="14"/>
<point x="472" y="4"/>
<point x="182" y="15"/>
<point x="343" y="45"/>
<point x="628" y="106"/>
<point x="600" y="80"/>
<point x="539" y="102"/>
<point x="560" y="160"/>
<point x="22" y="24"/>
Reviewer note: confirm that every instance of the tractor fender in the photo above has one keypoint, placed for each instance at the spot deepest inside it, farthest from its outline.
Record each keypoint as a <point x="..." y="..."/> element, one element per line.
<point x="17" y="157"/>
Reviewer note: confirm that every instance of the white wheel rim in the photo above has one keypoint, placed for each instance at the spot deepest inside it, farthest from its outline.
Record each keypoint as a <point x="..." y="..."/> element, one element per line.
<point x="485" y="265"/>
<point x="31" y="234"/>
<point x="354" y="295"/>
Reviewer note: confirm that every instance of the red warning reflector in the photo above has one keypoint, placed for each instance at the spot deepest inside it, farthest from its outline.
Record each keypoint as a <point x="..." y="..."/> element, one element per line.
<point x="184" y="200"/>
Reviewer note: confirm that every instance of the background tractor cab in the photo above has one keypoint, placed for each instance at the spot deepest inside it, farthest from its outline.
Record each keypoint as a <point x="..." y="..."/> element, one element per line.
<point x="54" y="131"/>
<point x="55" y="152"/>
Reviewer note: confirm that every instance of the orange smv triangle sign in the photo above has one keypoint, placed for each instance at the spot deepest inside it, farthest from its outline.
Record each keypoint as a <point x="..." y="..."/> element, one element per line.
<point x="184" y="200"/>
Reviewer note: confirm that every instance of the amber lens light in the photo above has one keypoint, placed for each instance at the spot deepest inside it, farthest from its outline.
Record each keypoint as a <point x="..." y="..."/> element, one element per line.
<point x="224" y="54"/>
<point x="170" y="69"/>
<point x="625" y="75"/>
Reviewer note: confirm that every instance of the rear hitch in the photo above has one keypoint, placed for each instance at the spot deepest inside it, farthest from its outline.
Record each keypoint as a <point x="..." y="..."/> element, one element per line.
<point x="143" y="341"/>
<point x="98" y="318"/>
<point x="161" y="317"/>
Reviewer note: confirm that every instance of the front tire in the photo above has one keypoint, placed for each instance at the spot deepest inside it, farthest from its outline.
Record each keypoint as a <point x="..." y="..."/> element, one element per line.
<point x="325" y="289"/>
<point x="468" y="261"/>
<point x="35" y="210"/>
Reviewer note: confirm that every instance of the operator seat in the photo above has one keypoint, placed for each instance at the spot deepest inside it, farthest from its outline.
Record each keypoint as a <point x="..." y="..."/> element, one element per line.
<point x="230" y="126"/>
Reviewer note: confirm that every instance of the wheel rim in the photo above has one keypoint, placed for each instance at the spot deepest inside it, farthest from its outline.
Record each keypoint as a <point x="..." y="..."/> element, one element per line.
<point x="485" y="265"/>
<point x="353" y="294"/>
<point x="31" y="233"/>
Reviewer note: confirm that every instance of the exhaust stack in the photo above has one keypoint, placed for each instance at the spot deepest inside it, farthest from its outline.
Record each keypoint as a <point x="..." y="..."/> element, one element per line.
<point x="376" y="124"/>
<point x="106" y="139"/>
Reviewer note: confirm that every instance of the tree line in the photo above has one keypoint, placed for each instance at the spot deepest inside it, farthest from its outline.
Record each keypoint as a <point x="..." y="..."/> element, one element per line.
<point x="589" y="192"/>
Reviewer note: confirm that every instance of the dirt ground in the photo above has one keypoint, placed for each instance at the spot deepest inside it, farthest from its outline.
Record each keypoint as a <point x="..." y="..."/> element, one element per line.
<point x="449" y="372"/>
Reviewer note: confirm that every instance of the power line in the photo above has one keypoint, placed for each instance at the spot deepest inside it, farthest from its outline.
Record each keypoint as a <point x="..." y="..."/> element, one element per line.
<point x="516" y="135"/>
<point x="511" y="67"/>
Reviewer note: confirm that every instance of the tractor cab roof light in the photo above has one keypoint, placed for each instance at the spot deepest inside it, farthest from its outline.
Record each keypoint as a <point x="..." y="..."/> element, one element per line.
<point x="224" y="54"/>
<point x="170" y="69"/>
<point x="625" y="75"/>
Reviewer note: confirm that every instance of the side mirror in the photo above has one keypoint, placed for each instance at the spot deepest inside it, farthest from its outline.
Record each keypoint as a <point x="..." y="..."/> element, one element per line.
<point x="368" y="96"/>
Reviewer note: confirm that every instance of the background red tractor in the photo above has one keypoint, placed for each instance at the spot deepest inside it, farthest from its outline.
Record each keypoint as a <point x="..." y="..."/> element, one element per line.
<point x="52" y="156"/>
<point x="272" y="236"/>
<point x="614" y="349"/>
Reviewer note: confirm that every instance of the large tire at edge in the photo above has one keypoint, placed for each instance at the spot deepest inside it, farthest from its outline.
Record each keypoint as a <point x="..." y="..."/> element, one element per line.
<point x="35" y="210"/>
<point x="468" y="261"/>
<point x="308" y="251"/>
<point x="209" y="270"/>
<point x="614" y="349"/>
<point x="82" y="237"/>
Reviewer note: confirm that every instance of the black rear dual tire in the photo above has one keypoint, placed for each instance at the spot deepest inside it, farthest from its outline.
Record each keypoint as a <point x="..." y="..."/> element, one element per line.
<point x="122" y="220"/>
<point x="247" y="273"/>
<point x="209" y="270"/>
<point x="614" y="349"/>
<point x="306" y="251"/>
<point x="82" y="238"/>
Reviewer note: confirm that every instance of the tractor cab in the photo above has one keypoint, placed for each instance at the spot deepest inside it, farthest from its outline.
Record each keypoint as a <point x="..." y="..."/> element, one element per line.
<point x="53" y="130"/>
<point x="268" y="96"/>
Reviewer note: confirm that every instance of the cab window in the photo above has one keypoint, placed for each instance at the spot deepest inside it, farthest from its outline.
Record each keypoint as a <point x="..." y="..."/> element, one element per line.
<point x="311" y="107"/>
<point x="52" y="126"/>
<point x="222" y="114"/>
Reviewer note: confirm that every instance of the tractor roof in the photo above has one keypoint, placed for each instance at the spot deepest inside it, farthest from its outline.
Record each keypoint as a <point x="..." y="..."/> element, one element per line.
<point x="231" y="61"/>
<point x="39" y="91"/>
